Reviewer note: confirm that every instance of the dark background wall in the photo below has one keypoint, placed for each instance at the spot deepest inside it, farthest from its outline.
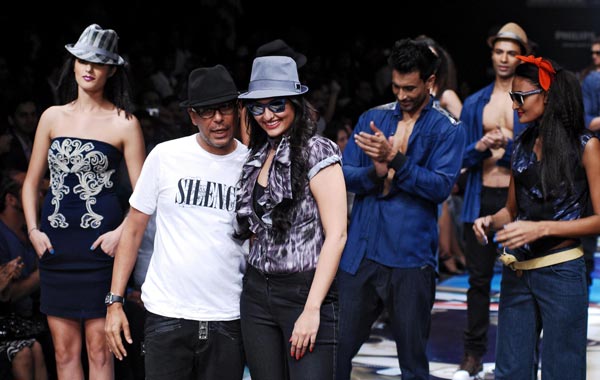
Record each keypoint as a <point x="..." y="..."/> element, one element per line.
<point x="227" y="31"/>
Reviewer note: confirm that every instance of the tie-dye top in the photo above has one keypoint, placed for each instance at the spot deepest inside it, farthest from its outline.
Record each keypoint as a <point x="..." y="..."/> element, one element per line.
<point x="561" y="204"/>
<point x="301" y="249"/>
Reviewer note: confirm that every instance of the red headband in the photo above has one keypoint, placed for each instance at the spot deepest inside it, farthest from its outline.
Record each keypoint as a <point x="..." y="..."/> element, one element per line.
<point x="545" y="69"/>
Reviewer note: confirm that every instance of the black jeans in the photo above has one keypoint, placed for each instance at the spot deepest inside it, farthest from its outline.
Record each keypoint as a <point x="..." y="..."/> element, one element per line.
<point x="184" y="349"/>
<point x="270" y="305"/>
<point x="407" y="294"/>
<point x="481" y="260"/>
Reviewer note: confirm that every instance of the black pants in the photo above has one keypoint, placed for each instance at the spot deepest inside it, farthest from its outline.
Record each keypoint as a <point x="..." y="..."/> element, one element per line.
<point x="480" y="265"/>
<point x="192" y="350"/>
<point x="407" y="294"/>
<point x="270" y="305"/>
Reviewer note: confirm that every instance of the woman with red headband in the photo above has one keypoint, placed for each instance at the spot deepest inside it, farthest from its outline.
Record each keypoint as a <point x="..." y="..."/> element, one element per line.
<point x="554" y="171"/>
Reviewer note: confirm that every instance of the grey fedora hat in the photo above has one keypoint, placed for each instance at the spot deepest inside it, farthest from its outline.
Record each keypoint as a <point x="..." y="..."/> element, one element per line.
<point x="97" y="45"/>
<point x="272" y="77"/>
<point x="279" y="47"/>
<point x="208" y="86"/>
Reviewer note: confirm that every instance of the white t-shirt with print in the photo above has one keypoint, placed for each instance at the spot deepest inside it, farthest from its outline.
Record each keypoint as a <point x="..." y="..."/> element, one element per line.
<point x="197" y="267"/>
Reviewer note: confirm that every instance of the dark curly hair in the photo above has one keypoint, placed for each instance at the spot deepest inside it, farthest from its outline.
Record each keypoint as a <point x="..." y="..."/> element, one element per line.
<point x="117" y="89"/>
<point x="408" y="56"/>
<point x="300" y="132"/>
<point x="559" y="127"/>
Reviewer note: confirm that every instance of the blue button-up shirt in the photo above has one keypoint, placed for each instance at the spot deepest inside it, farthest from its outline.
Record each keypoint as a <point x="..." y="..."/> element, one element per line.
<point x="471" y="118"/>
<point x="591" y="96"/>
<point x="400" y="229"/>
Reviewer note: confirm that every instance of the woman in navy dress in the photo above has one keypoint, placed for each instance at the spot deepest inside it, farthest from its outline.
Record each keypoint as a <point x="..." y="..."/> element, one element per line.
<point x="82" y="144"/>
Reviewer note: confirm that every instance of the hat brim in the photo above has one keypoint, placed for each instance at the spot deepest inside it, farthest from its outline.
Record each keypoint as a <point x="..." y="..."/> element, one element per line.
<point x="265" y="94"/>
<point x="209" y="102"/>
<point x="94" y="57"/>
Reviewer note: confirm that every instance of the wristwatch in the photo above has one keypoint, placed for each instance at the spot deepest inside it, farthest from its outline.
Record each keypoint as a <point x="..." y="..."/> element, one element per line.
<point x="112" y="298"/>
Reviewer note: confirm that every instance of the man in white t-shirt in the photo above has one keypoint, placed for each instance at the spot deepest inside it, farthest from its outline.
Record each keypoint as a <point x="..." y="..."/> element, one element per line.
<point x="193" y="285"/>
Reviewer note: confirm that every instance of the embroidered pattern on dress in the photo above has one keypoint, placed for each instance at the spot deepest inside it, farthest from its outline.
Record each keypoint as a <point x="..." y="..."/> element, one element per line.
<point x="90" y="167"/>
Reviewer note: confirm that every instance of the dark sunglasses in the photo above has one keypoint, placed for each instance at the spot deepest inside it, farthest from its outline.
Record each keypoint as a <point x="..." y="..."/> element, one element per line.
<point x="275" y="106"/>
<point x="519" y="97"/>
<point x="208" y="112"/>
<point x="595" y="52"/>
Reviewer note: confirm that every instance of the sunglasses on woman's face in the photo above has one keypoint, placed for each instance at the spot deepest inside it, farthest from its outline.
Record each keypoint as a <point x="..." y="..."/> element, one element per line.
<point x="519" y="96"/>
<point x="275" y="106"/>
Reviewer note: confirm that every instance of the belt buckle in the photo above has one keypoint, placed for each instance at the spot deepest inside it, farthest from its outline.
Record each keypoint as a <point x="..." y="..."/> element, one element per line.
<point x="203" y="330"/>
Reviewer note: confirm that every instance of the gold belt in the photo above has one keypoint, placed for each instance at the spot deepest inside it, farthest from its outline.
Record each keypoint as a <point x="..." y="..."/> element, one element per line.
<point x="540" y="262"/>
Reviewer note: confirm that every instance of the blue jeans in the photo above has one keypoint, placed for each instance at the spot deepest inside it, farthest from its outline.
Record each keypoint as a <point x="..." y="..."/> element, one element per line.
<point x="270" y="305"/>
<point x="554" y="299"/>
<point x="407" y="294"/>
<point x="184" y="349"/>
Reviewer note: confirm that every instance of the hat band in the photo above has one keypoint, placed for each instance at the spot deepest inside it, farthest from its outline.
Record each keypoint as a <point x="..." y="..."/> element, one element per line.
<point x="97" y="50"/>
<point x="510" y="35"/>
<point x="270" y="84"/>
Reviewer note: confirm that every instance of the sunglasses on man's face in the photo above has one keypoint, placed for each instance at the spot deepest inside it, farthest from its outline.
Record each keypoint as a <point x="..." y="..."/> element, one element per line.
<point x="208" y="112"/>
<point x="595" y="52"/>
<point x="275" y="106"/>
<point x="519" y="96"/>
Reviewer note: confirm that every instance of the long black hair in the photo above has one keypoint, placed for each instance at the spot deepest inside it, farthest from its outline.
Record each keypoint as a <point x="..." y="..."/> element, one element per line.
<point x="117" y="89"/>
<point x="299" y="133"/>
<point x="559" y="127"/>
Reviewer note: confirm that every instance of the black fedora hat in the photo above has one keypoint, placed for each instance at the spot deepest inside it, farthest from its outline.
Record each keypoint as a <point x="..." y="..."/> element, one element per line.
<point x="279" y="47"/>
<point x="208" y="86"/>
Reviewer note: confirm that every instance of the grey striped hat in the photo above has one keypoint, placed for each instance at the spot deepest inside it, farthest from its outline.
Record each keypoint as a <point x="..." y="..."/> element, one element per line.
<point x="97" y="45"/>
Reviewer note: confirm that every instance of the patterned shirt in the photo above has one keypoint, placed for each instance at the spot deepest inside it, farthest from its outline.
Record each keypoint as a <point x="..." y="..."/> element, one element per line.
<point x="301" y="249"/>
<point x="561" y="204"/>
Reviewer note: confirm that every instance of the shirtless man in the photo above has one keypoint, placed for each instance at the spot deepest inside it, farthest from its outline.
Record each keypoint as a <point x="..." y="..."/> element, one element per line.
<point x="490" y="124"/>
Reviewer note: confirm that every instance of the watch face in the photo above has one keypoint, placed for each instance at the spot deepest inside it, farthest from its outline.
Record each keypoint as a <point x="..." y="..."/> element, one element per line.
<point x="112" y="298"/>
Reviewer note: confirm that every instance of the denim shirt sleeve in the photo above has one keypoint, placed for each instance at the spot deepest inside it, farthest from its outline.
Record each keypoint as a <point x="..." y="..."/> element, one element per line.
<point x="591" y="97"/>
<point x="357" y="166"/>
<point x="471" y="118"/>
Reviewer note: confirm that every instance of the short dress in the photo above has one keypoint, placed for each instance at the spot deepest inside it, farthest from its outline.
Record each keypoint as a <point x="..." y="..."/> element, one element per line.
<point x="80" y="205"/>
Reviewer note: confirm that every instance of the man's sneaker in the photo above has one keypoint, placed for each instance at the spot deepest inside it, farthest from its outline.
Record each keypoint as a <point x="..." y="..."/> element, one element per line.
<point x="472" y="364"/>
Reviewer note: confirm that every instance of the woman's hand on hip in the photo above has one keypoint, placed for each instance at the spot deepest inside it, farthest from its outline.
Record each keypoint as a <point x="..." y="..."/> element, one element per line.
<point x="41" y="243"/>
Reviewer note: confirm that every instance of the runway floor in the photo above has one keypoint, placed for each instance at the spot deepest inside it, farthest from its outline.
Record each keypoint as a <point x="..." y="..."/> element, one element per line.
<point x="377" y="358"/>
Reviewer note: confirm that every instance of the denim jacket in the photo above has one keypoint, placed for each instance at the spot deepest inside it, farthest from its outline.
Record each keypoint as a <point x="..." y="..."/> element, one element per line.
<point x="400" y="229"/>
<point x="472" y="120"/>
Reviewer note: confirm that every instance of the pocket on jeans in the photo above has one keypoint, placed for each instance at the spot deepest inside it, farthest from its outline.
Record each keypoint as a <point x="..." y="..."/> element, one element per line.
<point x="156" y="324"/>
<point x="229" y="329"/>
<point x="332" y="294"/>
<point x="303" y="282"/>
<point x="570" y="270"/>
